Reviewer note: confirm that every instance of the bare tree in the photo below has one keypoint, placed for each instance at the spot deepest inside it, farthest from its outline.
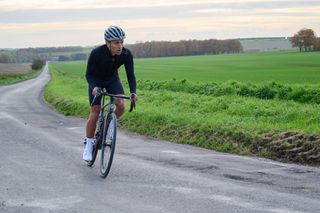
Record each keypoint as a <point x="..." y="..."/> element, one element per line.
<point x="296" y="42"/>
<point x="304" y="39"/>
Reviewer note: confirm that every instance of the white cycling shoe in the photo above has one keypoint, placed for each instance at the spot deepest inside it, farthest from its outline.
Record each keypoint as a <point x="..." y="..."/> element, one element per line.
<point x="87" y="153"/>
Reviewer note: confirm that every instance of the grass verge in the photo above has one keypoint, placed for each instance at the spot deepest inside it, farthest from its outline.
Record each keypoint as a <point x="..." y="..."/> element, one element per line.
<point x="284" y="130"/>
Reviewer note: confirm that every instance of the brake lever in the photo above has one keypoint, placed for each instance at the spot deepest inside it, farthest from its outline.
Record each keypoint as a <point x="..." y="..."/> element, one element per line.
<point x="96" y="96"/>
<point x="132" y="106"/>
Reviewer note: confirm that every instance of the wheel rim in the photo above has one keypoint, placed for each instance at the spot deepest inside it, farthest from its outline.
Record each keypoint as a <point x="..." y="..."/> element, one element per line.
<point x="106" y="157"/>
<point x="107" y="149"/>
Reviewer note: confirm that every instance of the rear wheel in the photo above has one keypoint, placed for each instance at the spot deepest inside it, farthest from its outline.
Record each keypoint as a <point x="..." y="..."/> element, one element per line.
<point x="108" y="144"/>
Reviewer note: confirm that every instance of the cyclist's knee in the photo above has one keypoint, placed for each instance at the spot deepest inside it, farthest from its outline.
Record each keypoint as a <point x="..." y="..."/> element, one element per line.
<point x="120" y="107"/>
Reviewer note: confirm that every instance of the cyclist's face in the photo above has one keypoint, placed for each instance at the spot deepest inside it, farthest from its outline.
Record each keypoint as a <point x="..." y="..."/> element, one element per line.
<point x="115" y="47"/>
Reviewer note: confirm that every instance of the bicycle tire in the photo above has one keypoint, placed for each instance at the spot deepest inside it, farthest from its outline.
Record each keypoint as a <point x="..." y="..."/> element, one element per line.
<point x="97" y="144"/>
<point x="108" y="146"/>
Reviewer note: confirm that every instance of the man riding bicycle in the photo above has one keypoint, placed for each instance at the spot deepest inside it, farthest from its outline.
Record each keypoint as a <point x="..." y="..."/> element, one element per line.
<point x="102" y="72"/>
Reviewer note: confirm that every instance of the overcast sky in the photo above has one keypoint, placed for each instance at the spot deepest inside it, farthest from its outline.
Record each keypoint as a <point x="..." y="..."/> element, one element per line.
<point x="36" y="23"/>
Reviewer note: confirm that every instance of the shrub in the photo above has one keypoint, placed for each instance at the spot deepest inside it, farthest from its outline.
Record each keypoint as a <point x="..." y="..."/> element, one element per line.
<point x="37" y="64"/>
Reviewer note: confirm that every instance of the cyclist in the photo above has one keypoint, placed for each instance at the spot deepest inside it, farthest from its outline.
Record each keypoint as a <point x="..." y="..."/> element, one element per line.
<point x="102" y="72"/>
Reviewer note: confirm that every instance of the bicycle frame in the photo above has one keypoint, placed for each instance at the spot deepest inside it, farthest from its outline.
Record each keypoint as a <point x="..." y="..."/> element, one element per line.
<point x="103" y="107"/>
<point x="103" y="93"/>
<point x="110" y="104"/>
<point x="99" y="135"/>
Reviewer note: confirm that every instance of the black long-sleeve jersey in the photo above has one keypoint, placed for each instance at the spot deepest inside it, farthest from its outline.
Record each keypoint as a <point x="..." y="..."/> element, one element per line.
<point x="102" y="67"/>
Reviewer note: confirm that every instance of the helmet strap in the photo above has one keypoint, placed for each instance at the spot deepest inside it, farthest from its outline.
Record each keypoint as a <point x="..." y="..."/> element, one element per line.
<point x="108" y="43"/>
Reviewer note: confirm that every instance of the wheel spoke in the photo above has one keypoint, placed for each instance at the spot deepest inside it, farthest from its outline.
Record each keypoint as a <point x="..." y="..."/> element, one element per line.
<point x="108" y="145"/>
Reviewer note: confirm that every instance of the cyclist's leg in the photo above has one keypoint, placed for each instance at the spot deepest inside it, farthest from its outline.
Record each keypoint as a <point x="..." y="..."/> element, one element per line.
<point x="115" y="87"/>
<point x="91" y="125"/>
<point x="120" y="107"/>
<point x="92" y="121"/>
<point x="94" y="113"/>
<point x="90" y="153"/>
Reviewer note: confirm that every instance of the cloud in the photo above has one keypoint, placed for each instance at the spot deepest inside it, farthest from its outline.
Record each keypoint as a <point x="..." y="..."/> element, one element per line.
<point x="201" y="8"/>
<point x="81" y="4"/>
<point x="301" y="11"/>
<point x="82" y="22"/>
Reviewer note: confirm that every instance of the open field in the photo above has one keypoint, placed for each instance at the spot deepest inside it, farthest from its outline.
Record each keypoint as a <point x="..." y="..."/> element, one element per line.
<point x="282" y="67"/>
<point x="13" y="69"/>
<point x="276" y="127"/>
<point x="13" y="73"/>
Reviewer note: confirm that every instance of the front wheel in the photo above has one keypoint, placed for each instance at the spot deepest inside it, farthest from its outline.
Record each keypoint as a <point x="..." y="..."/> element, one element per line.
<point x="108" y="144"/>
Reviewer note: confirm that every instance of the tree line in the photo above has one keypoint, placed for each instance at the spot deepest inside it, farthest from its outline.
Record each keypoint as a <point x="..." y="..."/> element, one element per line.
<point x="5" y="58"/>
<point x="185" y="47"/>
<point x="146" y="49"/>
<point x="306" y="40"/>
<point x="29" y="54"/>
<point x="44" y="53"/>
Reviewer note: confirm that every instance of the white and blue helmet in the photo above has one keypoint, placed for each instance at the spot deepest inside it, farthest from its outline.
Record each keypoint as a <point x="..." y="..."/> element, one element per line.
<point x="114" y="33"/>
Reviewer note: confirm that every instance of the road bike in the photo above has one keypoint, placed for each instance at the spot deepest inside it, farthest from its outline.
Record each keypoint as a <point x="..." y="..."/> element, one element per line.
<point x="106" y="131"/>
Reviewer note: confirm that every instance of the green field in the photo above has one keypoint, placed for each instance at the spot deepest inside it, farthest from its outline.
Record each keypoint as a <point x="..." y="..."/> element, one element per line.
<point x="282" y="67"/>
<point x="263" y="104"/>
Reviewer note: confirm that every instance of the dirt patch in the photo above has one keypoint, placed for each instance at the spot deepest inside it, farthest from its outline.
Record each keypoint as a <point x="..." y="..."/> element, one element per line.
<point x="291" y="147"/>
<point x="14" y="69"/>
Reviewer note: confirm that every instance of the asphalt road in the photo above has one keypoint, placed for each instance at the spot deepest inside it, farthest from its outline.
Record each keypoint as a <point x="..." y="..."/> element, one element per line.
<point x="41" y="169"/>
